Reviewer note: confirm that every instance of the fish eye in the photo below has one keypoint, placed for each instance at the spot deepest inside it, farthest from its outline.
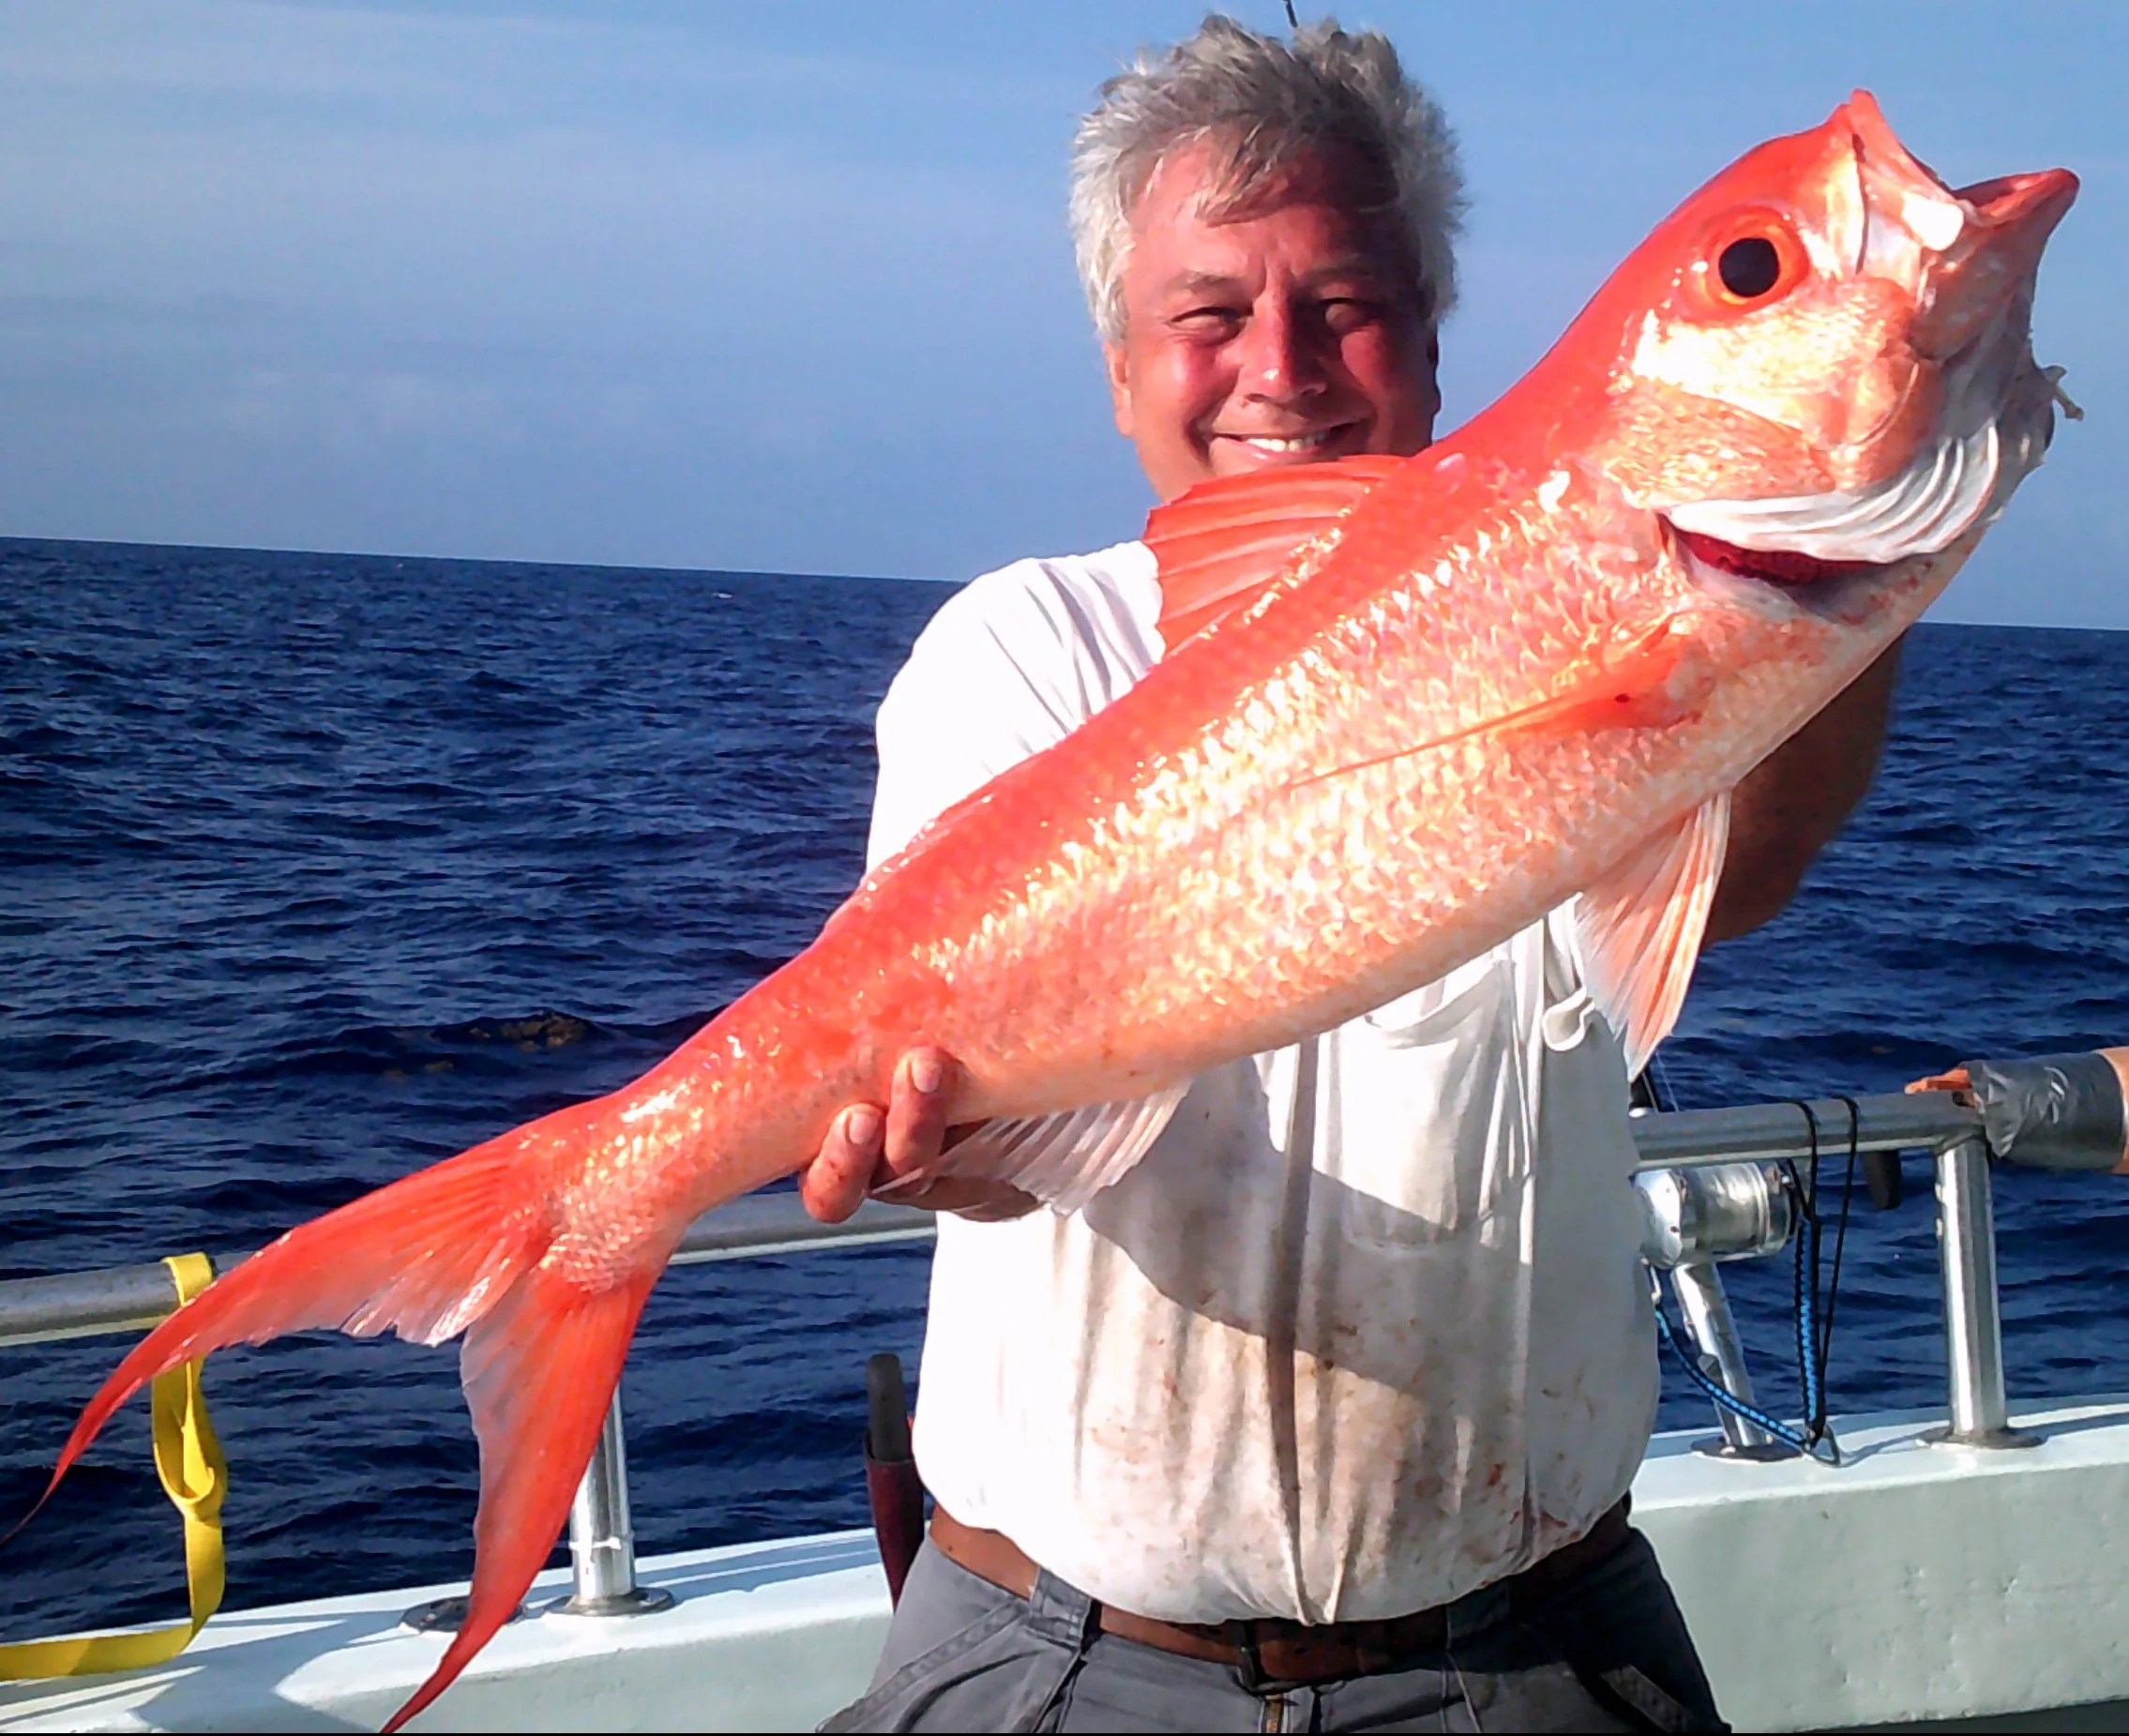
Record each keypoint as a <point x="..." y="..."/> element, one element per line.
<point x="1749" y="267"/>
<point x="1752" y="258"/>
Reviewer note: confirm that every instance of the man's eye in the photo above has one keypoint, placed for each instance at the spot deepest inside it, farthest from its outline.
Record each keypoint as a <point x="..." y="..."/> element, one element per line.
<point x="1348" y="314"/>
<point x="1210" y="323"/>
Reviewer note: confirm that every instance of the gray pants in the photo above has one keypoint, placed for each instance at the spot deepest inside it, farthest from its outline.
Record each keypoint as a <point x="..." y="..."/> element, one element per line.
<point x="1607" y="1651"/>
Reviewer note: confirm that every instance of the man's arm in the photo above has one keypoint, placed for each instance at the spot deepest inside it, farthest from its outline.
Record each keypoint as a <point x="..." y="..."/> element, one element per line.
<point x="1789" y="809"/>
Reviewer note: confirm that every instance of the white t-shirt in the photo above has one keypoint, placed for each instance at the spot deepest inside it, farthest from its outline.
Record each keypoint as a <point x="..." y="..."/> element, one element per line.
<point x="1329" y="1362"/>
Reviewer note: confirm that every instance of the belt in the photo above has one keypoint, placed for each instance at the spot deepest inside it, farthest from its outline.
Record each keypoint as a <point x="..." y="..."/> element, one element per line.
<point x="1271" y="1652"/>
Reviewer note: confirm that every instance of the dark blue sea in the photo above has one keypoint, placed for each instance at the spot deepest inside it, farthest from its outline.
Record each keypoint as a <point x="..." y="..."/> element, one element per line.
<point x="316" y="868"/>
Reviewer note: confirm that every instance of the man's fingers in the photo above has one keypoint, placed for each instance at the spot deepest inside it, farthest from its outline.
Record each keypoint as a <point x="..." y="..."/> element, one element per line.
<point x="916" y="1110"/>
<point x="834" y="1185"/>
<point x="867" y="1150"/>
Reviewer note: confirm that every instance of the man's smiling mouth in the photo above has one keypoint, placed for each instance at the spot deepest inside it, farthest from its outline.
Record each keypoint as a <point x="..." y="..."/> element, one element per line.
<point x="1288" y="446"/>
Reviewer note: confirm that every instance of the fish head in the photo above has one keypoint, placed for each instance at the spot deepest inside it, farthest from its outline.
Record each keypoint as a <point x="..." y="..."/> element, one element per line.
<point x="1822" y="361"/>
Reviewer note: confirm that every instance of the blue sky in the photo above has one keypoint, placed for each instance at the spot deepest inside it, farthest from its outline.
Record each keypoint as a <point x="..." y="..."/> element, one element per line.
<point x="786" y="287"/>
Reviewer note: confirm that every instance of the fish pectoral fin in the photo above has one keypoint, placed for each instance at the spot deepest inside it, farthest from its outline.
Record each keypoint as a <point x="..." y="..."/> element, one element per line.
<point x="1642" y="924"/>
<point x="1653" y="680"/>
<point x="1066" y="1159"/>
<point x="1658" y="679"/>
<point x="1221" y="546"/>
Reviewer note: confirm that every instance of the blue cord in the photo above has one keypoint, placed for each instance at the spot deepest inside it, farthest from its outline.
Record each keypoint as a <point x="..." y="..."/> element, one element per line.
<point x="1722" y="1396"/>
<point x="1805" y="1287"/>
<point x="1813" y="1339"/>
<point x="1840" y="1232"/>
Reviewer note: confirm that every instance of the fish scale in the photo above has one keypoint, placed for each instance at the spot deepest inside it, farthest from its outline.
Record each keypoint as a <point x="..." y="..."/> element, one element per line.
<point x="1407" y="708"/>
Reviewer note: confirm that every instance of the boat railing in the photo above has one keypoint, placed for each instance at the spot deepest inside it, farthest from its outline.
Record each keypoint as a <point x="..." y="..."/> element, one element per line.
<point x="1711" y="1185"/>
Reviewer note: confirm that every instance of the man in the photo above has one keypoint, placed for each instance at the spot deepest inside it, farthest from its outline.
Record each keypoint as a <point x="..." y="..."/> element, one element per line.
<point x="1321" y="1416"/>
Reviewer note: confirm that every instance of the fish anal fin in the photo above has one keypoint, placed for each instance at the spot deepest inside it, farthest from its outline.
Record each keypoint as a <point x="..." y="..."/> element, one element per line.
<point x="540" y="1369"/>
<point x="1066" y="1159"/>
<point x="1642" y="924"/>
<point x="1221" y="545"/>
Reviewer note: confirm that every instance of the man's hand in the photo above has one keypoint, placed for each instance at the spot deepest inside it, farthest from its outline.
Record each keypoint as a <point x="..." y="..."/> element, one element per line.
<point x="868" y="1149"/>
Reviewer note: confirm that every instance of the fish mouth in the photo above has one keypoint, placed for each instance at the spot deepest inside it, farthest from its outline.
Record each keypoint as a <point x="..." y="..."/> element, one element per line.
<point x="1789" y="568"/>
<point x="1779" y="584"/>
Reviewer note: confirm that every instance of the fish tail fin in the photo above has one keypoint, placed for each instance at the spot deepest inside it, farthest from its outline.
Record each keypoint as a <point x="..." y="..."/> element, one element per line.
<point x="424" y="1256"/>
<point x="540" y="1369"/>
<point x="466" y="1246"/>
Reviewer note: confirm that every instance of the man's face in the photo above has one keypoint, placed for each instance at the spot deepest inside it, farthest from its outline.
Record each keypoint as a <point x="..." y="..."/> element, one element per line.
<point x="1277" y="337"/>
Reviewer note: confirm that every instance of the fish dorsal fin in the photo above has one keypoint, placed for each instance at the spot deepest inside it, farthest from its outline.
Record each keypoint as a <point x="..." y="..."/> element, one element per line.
<point x="1062" y="1159"/>
<point x="1221" y="545"/>
<point x="1642" y="923"/>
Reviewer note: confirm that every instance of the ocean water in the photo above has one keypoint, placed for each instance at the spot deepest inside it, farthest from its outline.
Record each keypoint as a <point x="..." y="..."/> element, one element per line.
<point x="317" y="869"/>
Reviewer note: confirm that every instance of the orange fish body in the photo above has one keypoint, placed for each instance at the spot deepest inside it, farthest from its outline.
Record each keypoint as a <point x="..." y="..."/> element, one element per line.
<point x="1409" y="707"/>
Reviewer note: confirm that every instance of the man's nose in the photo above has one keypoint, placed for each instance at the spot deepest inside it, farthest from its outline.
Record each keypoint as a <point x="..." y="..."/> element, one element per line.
<point x="1277" y="358"/>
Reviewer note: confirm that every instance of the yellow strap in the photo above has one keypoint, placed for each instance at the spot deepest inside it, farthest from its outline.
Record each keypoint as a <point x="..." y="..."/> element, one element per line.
<point x="189" y="1462"/>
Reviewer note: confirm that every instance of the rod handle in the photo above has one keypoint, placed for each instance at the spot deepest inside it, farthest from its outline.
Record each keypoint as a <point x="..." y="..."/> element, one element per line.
<point x="887" y="1410"/>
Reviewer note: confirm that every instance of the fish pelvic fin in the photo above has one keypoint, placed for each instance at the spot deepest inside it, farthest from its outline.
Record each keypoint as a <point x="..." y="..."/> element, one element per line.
<point x="1642" y="924"/>
<point x="540" y="1369"/>
<point x="1224" y="544"/>
<point x="1064" y="1159"/>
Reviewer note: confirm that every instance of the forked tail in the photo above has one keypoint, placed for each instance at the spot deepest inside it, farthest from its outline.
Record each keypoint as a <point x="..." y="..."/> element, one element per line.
<point x="462" y="1246"/>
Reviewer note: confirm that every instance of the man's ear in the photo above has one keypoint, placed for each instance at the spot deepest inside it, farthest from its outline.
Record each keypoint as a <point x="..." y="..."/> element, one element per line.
<point x="1113" y="360"/>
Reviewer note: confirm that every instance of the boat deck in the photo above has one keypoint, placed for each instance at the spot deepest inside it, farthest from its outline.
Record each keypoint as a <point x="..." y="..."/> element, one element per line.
<point x="1915" y="1583"/>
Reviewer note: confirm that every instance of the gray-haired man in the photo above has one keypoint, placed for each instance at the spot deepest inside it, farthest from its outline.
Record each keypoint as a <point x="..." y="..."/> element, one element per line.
<point x="1323" y="1416"/>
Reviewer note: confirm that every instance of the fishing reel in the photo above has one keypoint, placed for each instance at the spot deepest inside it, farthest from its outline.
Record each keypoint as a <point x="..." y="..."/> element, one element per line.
<point x="1713" y="1211"/>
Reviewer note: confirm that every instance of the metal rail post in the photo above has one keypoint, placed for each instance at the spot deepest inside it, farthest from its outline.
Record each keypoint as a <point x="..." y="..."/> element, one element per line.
<point x="1706" y="1306"/>
<point x="603" y="1536"/>
<point x="1973" y="1326"/>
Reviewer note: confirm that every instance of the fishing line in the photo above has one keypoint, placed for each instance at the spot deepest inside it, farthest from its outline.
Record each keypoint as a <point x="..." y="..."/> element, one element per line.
<point x="1658" y="1083"/>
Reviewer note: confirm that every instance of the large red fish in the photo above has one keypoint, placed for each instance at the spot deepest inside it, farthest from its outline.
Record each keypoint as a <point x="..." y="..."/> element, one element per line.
<point x="1409" y="706"/>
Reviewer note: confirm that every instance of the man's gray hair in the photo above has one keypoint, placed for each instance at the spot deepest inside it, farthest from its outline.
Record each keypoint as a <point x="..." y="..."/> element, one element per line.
<point x="1267" y="105"/>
